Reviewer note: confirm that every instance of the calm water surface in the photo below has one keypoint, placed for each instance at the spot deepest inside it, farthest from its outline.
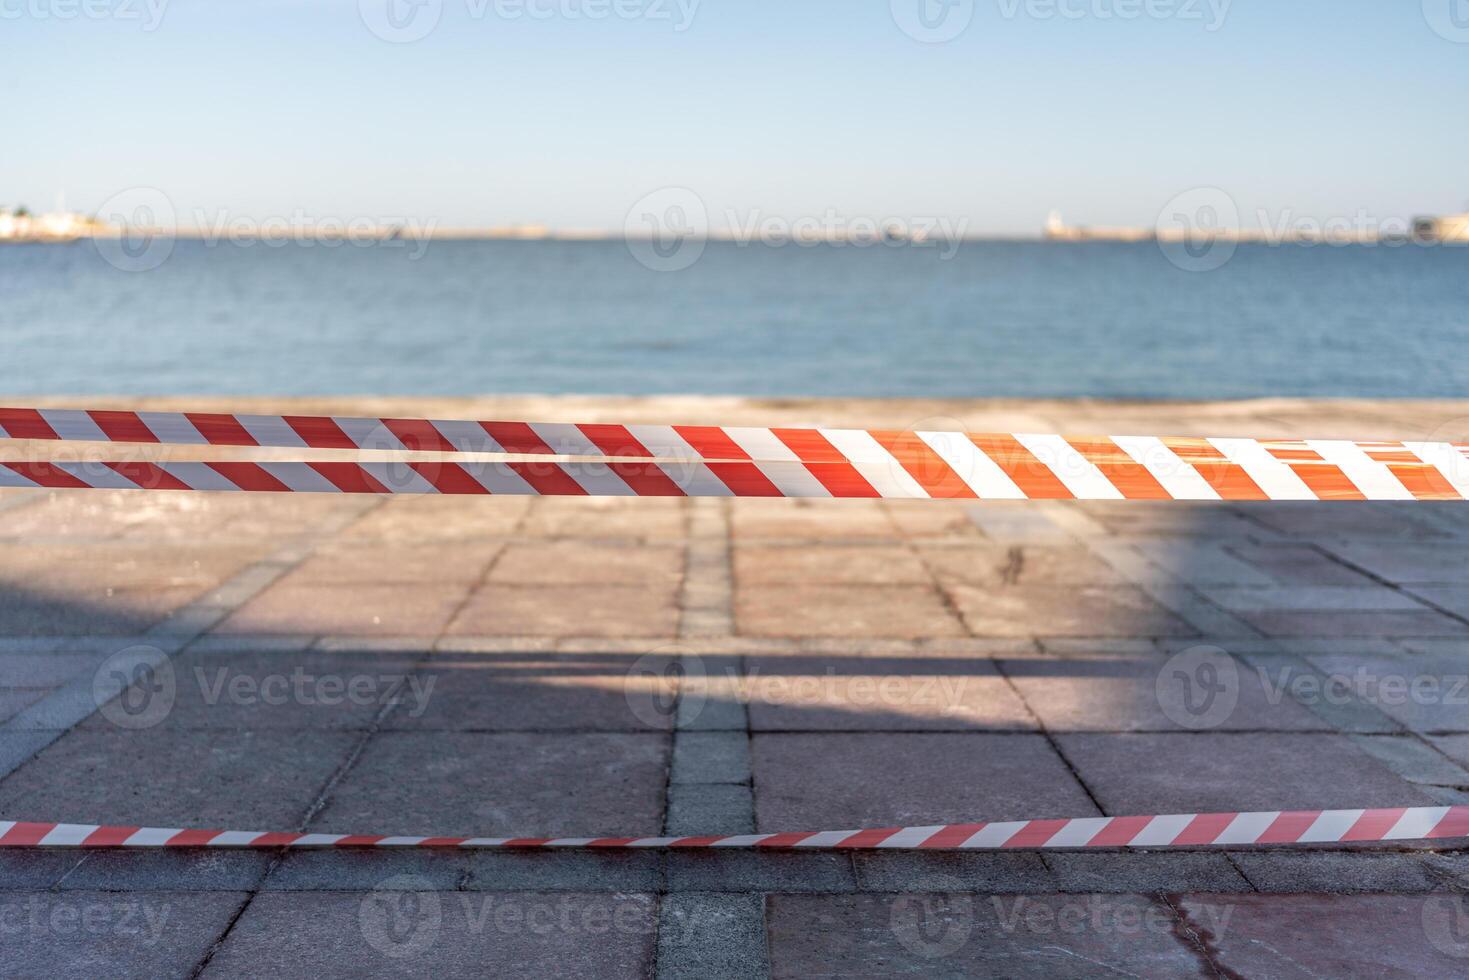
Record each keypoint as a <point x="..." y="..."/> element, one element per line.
<point x="1012" y="319"/>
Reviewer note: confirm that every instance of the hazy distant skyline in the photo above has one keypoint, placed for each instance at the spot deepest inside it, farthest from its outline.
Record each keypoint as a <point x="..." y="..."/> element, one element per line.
<point x="541" y="112"/>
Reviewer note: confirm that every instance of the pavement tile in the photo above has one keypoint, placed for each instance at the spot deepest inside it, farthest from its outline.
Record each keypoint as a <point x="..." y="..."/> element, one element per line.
<point x="1144" y="871"/>
<point x="1404" y="563"/>
<point x="381" y="610"/>
<point x="711" y="936"/>
<point x="165" y="869"/>
<point x="1456" y="747"/>
<point x="448" y="520"/>
<point x="99" y="567"/>
<point x="543" y="692"/>
<point x="1073" y="611"/>
<point x="13" y="702"/>
<point x="758" y="871"/>
<point x="1310" y="598"/>
<point x="701" y="757"/>
<point x="515" y="785"/>
<point x="1425" y="692"/>
<point x="588" y="563"/>
<point x="1311" y="936"/>
<point x="22" y="869"/>
<point x="164" y="777"/>
<point x="1333" y="871"/>
<point x="924" y="519"/>
<point x="395" y="931"/>
<point x="1118" y="693"/>
<point x="992" y="872"/>
<point x="1202" y="562"/>
<point x="1387" y="520"/>
<point x="828" y="565"/>
<point x="810" y="519"/>
<point x="856" y="610"/>
<point x="960" y="934"/>
<point x="1451" y="598"/>
<point x="881" y="694"/>
<point x="1349" y="624"/>
<point x="1207" y="772"/>
<point x="99" y="933"/>
<point x="698" y="809"/>
<point x="377" y="565"/>
<point x="361" y="869"/>
<point x="993" y="565"/>
<point x="42" y="670"/>
<point x="1297" y="565"/>
<point x="591" y="871"/>
<point x="315" y="690"/>
<point x="839" y="782"/>
<point x="602" y="610"/>
<point x="585" y="519"/>
<point x="88" y="611"/>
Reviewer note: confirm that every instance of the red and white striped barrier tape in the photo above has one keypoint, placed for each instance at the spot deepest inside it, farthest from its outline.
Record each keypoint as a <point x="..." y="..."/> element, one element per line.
<point x="740" y="461"/>
<point x="1175" y="830"/>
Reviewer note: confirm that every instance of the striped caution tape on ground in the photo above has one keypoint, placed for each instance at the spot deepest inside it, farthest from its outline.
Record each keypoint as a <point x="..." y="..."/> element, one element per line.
<point x="725" y="461"/>
<point x="1174" y="830"/>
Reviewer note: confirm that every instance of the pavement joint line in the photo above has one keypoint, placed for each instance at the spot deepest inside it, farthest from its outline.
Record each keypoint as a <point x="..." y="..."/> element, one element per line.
<point x="73" y="703"/>
<point x="1124" y="563"/>
<point x="323" y="797"/>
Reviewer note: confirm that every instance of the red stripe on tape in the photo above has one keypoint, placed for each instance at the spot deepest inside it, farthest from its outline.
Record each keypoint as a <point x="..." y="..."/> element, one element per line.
<point x="1119" y="832"/>
<point x="221" y="430"/>
<point x="419" y="435"/>
<point x="349" y="477"/>
<point x="614" y="440"/>
<point x="25" y="423"/>
<point x="448" y="478"/>
<point x="744" y="479"/>
<point x="123" y="426"/>
<point x="249" y="476"/>
<point x="1289" y="826"/>
<point x="48" y="475"/>
<point x="953" y="835"/>
<point x="109" y="836"/>
<point x="517" y="437"/>
<point x="1204" y="828"/>
<point x="1374" y="824"/>
<point x="1455" y="823"/>
<point x="1036" y="833"/>
<point x="25" y="834"/>
<point x="149" y="477"/>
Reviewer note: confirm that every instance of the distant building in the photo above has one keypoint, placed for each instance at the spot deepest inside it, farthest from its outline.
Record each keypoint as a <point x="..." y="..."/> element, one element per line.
<point x="1453" y="229"/>
<point x="19" y="225"/>
<point x="1058" y="231"/>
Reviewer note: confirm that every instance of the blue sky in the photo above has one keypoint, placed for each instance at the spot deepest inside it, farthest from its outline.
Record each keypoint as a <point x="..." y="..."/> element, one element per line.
<point x="781" y="107"/>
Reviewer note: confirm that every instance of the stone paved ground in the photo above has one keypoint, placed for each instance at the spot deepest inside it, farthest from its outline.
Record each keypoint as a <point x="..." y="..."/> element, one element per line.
<point x="843" y="664"/>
